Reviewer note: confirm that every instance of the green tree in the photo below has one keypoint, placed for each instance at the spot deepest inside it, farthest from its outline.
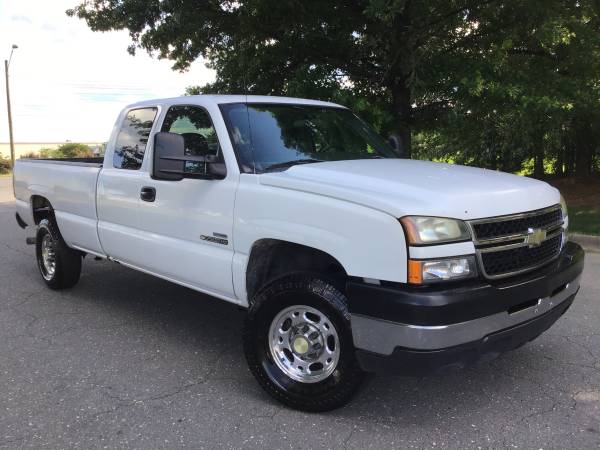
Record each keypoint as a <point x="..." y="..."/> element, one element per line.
<point x="5" y="165"/>
<point x="535" y="96"/>
<point x="68" y="150"/>
<point x="487" y="82"/>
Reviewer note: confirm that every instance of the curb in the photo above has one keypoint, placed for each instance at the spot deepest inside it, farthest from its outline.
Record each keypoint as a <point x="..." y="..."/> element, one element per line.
<point x="588" y="242"/>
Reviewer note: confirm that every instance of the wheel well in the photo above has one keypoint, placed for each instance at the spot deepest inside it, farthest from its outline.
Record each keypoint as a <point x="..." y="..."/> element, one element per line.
<point x="271" y="258"/>
<point x="42" y="209"/>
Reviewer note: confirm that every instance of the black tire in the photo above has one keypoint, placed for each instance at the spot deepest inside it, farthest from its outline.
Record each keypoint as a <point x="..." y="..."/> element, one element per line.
<point x="315" y="292"/>
<point x="67" y="262"/>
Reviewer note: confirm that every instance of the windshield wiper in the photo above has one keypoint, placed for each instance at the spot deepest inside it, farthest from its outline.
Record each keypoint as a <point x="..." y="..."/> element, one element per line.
<point x="288" y="164"/>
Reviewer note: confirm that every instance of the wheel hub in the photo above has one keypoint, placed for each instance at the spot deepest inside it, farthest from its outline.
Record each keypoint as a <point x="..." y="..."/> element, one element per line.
<point x="301" y="345"/>
<point x="307" y="341"/>
<point x="304" y="344"/>
<point x="48" y="257"/>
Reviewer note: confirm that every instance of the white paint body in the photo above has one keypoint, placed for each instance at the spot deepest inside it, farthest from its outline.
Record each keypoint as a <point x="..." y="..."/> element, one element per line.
<point x="348" y="209"/>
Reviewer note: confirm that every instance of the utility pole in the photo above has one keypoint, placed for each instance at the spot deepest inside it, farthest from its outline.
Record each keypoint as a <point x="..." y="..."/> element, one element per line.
<point x="10" y="128"/>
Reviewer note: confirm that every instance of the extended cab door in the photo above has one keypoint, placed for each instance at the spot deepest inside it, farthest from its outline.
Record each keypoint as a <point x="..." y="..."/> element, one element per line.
<point x="119" y="184"/>
<point x="187" y="225"/>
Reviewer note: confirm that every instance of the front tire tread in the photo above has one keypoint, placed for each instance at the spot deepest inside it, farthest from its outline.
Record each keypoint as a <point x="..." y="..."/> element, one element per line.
<point x="323" y="294"/>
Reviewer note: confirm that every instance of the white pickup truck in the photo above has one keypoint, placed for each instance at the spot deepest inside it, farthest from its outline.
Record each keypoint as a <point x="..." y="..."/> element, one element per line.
<point x="348" y="258"/>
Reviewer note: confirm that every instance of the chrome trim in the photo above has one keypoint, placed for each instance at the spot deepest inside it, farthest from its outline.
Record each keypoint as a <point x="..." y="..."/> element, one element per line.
<point x="513" y="237"/>
<point x="516" y="272"/>
<point x="553" y="230"/>
<point x="382" y="336"/>
<point x="536" y="212"/>
<point x="520" y="271"/>
<point x="500" y="248"/>
<point x="500" y="239"/>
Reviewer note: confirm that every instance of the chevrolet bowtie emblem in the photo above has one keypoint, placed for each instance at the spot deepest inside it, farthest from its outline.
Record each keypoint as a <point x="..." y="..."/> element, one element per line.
<point x="535" y="237"/>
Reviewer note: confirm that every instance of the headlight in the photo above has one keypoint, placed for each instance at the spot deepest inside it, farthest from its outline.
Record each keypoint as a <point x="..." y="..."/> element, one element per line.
<point x="428" y="271"/>
<point x="565" y="212"/>
<point x="434" y="230"/>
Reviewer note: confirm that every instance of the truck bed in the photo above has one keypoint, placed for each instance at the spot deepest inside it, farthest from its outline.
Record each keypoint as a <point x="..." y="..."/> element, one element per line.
<point x="68" y="161"/>
<point x="70" y="187"/>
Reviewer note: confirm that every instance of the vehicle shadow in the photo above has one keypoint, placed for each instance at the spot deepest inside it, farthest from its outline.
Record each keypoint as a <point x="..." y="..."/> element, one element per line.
<point x="186" y="321"/>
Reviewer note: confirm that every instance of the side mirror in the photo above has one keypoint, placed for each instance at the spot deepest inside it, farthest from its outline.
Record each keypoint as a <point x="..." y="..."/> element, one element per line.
<point x="395" y="142"/>
<point x="170" y="161"/>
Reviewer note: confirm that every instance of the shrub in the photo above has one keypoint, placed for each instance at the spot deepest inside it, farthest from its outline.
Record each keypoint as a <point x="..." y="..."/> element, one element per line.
<point x="5" y="165"/>
<point x="68" y="150"/>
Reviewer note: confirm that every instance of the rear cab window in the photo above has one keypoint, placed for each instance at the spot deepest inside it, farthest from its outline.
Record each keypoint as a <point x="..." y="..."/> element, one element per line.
<point x="132" y="138"/>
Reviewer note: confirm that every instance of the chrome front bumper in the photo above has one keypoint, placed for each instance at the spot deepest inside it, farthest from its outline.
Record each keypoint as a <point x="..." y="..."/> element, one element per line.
<point x="381" y="336"/>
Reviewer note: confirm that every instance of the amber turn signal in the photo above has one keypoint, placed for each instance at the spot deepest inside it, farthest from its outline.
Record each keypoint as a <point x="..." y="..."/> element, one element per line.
<point x="415" y="271"/>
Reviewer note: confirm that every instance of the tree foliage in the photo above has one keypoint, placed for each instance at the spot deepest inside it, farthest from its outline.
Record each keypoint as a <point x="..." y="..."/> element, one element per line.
<point x="5" y="165"/>
<point x="68" y="150"/>
<point x="493" y="83"/>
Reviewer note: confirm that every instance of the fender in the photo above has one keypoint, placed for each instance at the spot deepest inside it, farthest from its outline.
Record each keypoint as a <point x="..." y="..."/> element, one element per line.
<point x="370" y="244"/>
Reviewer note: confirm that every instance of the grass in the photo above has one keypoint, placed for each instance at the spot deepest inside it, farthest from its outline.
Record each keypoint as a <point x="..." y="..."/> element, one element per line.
<point x="5" y="174"/>
<point x="583" y="201"/>
<point x="584" y="220"/>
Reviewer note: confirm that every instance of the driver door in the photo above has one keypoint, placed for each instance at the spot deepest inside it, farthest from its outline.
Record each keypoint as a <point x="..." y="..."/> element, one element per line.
<point x="189" y="223"/>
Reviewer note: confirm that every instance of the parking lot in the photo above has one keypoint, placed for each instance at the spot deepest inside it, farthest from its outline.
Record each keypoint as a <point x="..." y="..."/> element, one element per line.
<point x="125" y="360"/>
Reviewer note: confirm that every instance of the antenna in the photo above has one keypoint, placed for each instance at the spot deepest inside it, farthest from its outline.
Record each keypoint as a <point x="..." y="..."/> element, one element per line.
<point x="244" y="80"/>
<point x="244" y="50"/>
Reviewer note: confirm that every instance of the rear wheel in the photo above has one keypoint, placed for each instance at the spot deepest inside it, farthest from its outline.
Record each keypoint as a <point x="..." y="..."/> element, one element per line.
<point x="298" y="343"/>
<point x="59" y="265"/>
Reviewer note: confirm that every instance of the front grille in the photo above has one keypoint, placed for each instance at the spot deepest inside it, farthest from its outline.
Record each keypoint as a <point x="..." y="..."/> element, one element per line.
<point x="507" y="246"/>
<point x="520" y="258"/>
<point x="490" y="230"/>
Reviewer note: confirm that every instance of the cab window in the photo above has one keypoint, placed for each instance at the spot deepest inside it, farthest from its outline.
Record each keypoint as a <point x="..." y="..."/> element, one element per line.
<point x="199" y="135"/>
<point x="131" y="141"/>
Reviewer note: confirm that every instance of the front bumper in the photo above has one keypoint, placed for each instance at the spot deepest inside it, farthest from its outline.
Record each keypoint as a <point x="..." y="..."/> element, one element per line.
<point x="422" y="330"/>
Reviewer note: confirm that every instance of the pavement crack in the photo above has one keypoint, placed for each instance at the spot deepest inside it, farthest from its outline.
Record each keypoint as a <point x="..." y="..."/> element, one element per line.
<point x="177" y="391"/>
<point x="583" y="346"/>
<point x="174" y="392"/>
<point x="347" y="440"/>
<point x="27" y="298"/>
<point x="541" y="413"/>
<point x="11" y="441"/>
<point x="530" y="380"/>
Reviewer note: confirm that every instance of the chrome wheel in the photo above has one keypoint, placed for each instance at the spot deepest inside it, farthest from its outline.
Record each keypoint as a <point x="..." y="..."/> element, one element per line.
<point x="48" y="250"/>
<point x="304" y="344"/>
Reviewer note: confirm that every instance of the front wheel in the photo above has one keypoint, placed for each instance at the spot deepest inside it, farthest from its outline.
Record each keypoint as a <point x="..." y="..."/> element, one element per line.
<point x="298" y="343"/>
<point x="59" y="265"/>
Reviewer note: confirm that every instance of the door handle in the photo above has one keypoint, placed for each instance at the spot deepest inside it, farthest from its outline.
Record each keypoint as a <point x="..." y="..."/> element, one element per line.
<point x="148" y="194"/>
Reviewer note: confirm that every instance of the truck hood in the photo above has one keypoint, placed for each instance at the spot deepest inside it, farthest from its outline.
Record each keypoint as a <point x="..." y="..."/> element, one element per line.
<point x="409" y="187"/>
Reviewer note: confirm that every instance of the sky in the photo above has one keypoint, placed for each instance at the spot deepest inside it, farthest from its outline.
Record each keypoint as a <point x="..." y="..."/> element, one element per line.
<point x="69" y="83"/>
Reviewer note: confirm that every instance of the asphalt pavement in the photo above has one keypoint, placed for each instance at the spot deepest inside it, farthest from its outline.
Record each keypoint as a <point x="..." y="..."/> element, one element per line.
<point x="125" y="360"/>
<point x="6" y="193"/>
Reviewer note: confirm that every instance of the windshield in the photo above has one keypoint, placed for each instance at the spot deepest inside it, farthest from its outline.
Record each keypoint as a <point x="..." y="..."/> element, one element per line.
<point x="272" y="137"/>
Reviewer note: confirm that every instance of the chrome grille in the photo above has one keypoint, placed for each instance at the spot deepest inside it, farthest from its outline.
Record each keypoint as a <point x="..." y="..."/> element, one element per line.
<point x="519" y="258"/>
<point x="488" y="230"/>
<point x="505" y="246"/>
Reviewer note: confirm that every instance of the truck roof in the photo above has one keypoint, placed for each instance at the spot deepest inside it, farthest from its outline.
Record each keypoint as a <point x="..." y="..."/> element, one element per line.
<point x="220" y="99"/>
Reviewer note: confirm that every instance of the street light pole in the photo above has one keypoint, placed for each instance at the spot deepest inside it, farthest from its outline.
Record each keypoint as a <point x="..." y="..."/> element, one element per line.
<point x="10" y="128"/>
